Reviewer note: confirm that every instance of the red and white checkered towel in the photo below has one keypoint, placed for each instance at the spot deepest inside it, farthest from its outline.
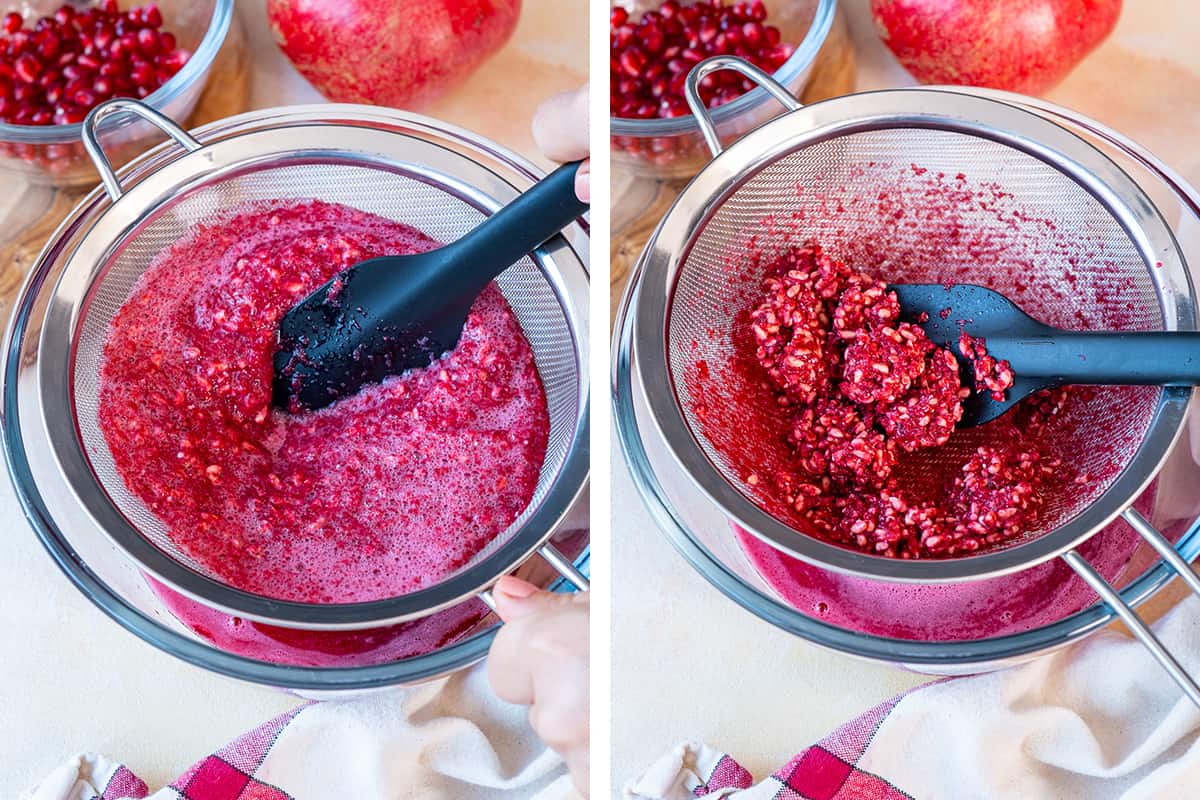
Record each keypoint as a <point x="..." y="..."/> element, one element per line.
<point x="448" y="740"/>
<point x="1096" y="721"/>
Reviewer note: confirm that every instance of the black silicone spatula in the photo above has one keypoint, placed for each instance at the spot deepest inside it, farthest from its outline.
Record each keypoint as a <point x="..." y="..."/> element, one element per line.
<point x="387" y="315"/>
<point x="1042" y="356"/>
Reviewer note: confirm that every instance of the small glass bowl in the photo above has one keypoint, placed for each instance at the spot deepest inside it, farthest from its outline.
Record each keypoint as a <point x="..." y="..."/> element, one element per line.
<point x="821" y="67"/>
<point x="54" y="154"/>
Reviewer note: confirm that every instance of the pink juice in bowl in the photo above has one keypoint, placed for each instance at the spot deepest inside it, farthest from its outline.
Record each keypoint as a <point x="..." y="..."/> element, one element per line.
<point x="381" y="494"/>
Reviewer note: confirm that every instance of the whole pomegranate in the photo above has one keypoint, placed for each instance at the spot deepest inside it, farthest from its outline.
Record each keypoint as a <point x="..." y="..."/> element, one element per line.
<point x="1023" y="46"/>
<point x="386" y="52"/>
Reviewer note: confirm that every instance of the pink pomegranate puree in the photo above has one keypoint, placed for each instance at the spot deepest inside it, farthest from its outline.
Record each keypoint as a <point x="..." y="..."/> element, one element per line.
<point x="380" y="494"/>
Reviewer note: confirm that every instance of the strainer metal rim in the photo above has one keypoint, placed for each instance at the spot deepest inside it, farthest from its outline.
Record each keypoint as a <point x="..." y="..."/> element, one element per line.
<point x="566" y="486"/>
<point x="989" y="118"/>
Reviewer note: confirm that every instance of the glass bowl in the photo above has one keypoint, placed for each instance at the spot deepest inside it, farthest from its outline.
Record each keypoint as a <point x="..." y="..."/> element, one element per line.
<point x="837" y="612"/>
<point x="336" y="660"/>
<point x="54" y="154"/>
<point x="821" y="67"/>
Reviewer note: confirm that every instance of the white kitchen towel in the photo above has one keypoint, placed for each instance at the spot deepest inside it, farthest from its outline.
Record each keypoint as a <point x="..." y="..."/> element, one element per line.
<point x="445" y="740"/>
<point x="1096" y="721"/>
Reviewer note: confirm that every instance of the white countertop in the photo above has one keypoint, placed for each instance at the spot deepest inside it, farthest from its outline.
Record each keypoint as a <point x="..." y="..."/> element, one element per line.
<point x="71" y="680"/>
<point x="688" y="664"/>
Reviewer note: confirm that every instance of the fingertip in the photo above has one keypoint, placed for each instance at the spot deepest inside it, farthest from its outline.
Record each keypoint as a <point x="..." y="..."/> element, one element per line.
<point x="513" y="587"/>
<point x="583" y="183"/>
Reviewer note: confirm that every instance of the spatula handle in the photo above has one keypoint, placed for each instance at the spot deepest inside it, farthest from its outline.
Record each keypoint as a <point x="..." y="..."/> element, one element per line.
<point x="514" y="231"/>
<point x="1163" y="358"/>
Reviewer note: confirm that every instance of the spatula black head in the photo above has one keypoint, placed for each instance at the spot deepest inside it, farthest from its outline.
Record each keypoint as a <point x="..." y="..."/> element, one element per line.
<point x="1042" y="356"/>
<point x="387" y="315"/>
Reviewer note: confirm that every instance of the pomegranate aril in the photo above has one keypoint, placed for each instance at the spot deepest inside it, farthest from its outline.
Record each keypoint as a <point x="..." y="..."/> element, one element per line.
<point x="69" y="115"/>
<point x="19" y="42"/>
<point x="47" y="45"/>
<point x="75" y="87"/>
<point x="27" y="68"/>
<point x="632" y="61"/>
<point x="49" y="76"/>
<point x="151" y="16"/>
<point x="104" y="39"/>
<point x="142" y="74"/>
<point x="147" y="41"/>
<point x="84" y="97"/>
<point x="13" y="22"/>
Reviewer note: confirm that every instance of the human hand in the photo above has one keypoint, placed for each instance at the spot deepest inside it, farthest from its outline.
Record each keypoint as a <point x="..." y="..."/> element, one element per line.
<point x="540" y="659"/>
<point x="560" y="128"/>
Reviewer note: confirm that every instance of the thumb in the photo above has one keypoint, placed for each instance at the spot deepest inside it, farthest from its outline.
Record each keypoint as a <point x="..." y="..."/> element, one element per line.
<point x="516" y="598"/>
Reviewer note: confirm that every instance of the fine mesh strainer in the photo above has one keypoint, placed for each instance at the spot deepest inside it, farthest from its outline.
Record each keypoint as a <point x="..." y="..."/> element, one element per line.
<point x="388" y="172"/>
<point x="919" y="186"/>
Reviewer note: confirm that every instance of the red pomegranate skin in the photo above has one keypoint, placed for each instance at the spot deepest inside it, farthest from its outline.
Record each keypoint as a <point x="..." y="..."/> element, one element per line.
<point x="1025" y="46"/>
<point x="388" y="53"/>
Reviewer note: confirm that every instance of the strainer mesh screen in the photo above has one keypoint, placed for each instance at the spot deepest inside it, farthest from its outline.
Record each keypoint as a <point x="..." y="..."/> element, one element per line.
<point x="433" y="210"/>
<point x="914" y="206"/>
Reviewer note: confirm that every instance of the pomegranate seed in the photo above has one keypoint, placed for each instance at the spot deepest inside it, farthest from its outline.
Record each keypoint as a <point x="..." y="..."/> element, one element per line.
<point x="104" y="38"/>
<point x="53" y="93"/>
<point x="142" y="74"/>
<point x="64" y="15"/>
<point x="74" y="72"/>
<point x="69" y="115"/>
<point x="85" y="97"/>
<point x="13" y="22"/>
<point x="632" y="61"/>
<point x="49" y="76"/>
<point x="27" y="68"/>
<point x="147" y="41"/>
<point x="48" y="45"/>
<point x="110" y="7"/>
<point x="19" y="42"/>
<point x="616" y="18"/>
<point x="151" y="16"/>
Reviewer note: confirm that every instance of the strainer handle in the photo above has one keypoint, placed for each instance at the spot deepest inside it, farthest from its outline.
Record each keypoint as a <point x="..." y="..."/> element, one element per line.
<point x="1113" y="598"/>
<point x="91" y="140"/>
<point x="562" y="565"/>
<point x="691" y="91"/>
